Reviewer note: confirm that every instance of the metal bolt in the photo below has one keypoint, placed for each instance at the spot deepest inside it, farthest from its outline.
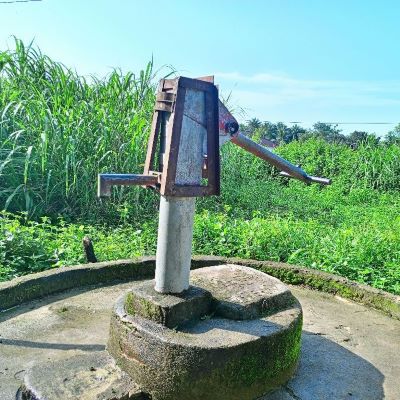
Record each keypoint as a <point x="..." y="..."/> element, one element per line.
<point x="231" y="127"/>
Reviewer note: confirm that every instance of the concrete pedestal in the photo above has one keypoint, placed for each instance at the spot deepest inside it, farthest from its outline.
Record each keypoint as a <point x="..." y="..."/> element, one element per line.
<point x="55" y="345"/>
<point x="235" y="334"/>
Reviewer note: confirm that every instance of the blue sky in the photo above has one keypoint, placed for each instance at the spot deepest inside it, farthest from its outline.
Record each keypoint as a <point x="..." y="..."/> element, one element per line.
<point x="281" y="60"/>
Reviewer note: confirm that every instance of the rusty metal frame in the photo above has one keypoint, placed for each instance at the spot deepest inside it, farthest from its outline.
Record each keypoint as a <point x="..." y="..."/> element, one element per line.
<point x="171" y="99"/>
<point x="159" y="108"/>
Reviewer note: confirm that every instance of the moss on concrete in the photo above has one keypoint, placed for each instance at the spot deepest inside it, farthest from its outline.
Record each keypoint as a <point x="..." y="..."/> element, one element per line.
<point x="251" y="369"/>
<point x="236" y="374"/>
<point x="145" y="308"/>
<point x="329" y="283"/>
<point x="42" y="284"/>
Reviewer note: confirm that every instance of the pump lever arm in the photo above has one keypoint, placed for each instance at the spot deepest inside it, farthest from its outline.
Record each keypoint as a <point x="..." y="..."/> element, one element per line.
<point x="229" y="131"/>
<point x="287" y="168"/>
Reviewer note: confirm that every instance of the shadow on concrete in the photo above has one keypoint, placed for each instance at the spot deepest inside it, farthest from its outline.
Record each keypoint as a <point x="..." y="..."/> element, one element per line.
<point x="49" y="299"/>
<point x="330" y="371"/>
<point x="55" y="346"/>
<point x="327" y="370"/>
<point x="37" y="303"/>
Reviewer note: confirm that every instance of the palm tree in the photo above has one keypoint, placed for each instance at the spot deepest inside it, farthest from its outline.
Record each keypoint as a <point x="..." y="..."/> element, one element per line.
<point x="252" y="125"/>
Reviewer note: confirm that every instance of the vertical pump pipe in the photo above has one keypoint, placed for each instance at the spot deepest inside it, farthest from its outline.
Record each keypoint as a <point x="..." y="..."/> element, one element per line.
<point x="175" y="228"/>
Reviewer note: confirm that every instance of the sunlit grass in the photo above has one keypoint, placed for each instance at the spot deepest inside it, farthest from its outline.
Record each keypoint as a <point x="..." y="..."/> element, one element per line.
<point x="58" y="130"/>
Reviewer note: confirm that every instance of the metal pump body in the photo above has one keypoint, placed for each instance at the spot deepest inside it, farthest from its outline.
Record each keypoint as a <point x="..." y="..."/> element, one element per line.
<point x="182" y="162"/>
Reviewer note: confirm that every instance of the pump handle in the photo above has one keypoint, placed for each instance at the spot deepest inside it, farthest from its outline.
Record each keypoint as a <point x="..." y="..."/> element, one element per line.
<point x="287" y="168"/>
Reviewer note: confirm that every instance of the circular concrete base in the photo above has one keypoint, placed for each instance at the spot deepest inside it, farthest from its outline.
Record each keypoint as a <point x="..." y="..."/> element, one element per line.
<point x="243" y="339"/>
<point x="349" y="350"/>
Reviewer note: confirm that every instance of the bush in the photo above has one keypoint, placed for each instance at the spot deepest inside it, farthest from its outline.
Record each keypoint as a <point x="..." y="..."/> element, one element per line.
<point x="28" y="246"/>
<point x="59" y="130"/>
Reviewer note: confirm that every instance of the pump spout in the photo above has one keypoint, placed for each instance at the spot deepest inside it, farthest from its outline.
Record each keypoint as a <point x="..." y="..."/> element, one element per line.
<point x="105" y="181"/>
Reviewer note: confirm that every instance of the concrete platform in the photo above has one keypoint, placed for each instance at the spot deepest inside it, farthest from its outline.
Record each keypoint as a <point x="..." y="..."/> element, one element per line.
<point x="242" y="339"/>
<point x="348" y="351"/>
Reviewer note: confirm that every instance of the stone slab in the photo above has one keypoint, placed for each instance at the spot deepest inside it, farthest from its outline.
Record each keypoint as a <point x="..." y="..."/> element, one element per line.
<point x="82" y="377"/>
<point x="227" y="291"/>
<point x="242" y="293"/>
<point x="248" y="345"/>
<point x="171" y="310"/>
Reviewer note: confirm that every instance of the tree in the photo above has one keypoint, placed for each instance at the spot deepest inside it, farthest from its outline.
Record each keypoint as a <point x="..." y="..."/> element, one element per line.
<point x="269" y="131"/>
<point x="356" y="138"/>
<point x="297" y="132"/>
<point x="393" y="137"/>
<point x="252" y="125"/>
<point x="278" y="133"/>
<point x="329" y="132"/>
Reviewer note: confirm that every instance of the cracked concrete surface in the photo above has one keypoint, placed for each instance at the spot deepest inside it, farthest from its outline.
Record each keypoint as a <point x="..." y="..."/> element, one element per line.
<point x="348" y="350"/>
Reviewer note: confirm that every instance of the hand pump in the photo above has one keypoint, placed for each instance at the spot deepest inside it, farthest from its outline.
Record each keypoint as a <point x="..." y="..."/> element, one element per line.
<point x="182" y="163"/>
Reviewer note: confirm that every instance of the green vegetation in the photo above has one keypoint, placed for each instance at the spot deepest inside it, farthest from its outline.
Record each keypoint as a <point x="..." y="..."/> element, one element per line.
<point x="58" y="130"/>
<point x="30" y="246"/>
<point x="280" y="133"/>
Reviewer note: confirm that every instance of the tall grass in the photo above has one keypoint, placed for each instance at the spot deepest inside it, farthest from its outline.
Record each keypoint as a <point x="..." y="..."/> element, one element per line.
<point x="370" y="166"/>
<point x="58" y="130"/>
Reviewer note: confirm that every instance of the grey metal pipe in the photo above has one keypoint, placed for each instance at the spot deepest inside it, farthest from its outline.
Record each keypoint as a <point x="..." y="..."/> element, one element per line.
<point x="175" y="228"/>
<point x="313" y="179"/>
<point x="174" y="244"/>
<point x="288" y="168"/>
<point x="262" y="152"/>
<point x="105" y="181"/>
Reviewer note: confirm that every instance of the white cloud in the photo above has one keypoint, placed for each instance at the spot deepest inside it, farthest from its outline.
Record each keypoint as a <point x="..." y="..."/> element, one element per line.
<point x="277" y="88"/>
<point x="277" y="96"/>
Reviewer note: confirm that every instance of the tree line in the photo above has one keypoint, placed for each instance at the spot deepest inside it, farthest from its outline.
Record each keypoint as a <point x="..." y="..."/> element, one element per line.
<point x="279" y="133"/>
